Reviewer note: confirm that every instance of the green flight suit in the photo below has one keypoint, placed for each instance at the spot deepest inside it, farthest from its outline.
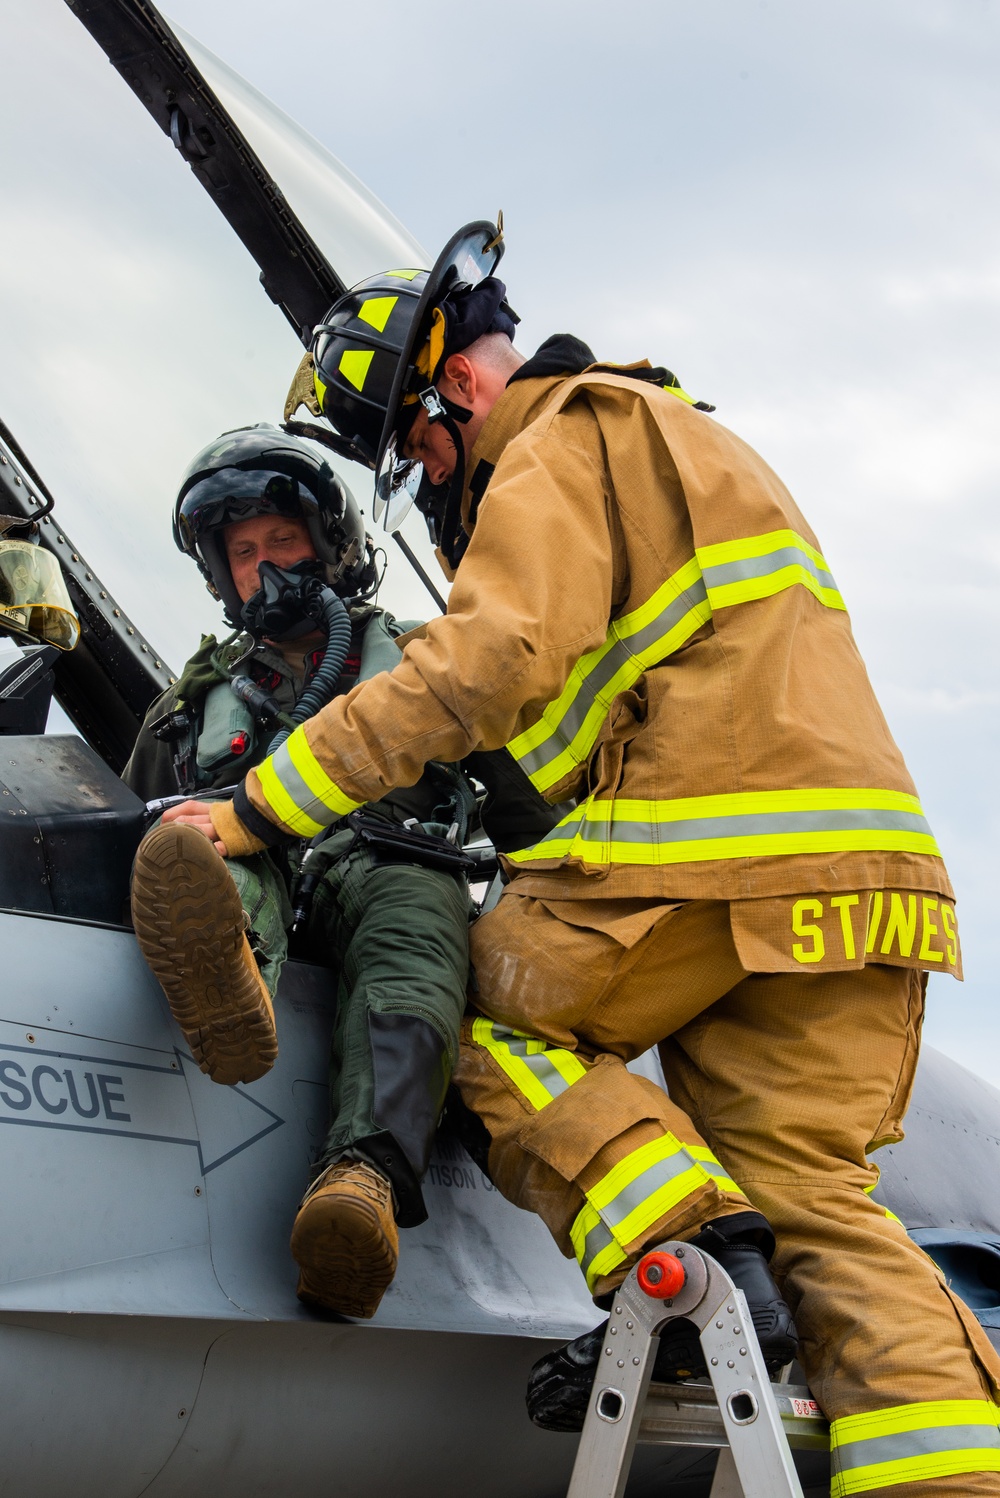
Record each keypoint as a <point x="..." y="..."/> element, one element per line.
<point x="395" y="933"/>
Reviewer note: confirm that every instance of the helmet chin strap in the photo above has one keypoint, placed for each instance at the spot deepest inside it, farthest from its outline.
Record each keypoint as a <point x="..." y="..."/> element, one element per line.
<point x="442" y="411"/>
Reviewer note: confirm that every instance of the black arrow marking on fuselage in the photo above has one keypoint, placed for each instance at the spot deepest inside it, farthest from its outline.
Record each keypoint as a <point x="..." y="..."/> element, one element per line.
<point x="22" y="1089"/>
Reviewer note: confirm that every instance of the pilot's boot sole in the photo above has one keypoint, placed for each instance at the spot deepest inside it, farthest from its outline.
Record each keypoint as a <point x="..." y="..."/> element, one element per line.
<point x="189" y="923"/>
<point x="345" y="1240"/>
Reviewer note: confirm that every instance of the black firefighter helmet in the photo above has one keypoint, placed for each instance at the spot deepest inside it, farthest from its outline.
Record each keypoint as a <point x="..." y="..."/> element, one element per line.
<point x="380" y="349"/>
<point x="261" y="470"/>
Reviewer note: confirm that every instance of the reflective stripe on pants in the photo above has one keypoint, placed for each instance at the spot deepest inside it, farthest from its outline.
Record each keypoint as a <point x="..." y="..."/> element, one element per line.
<point x="640" y="1189"/>
<point x="650" y="1182"/>
<point x="789" y="1079"/>
<point x="913" y="1443"/>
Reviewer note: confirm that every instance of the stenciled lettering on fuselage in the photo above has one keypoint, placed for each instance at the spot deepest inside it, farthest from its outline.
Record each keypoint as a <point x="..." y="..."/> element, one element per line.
<point x="79" y="1094"/>
<point x="93" y="1094"/>
<point x="109" y="1095"/>
<point x="450" y="1166"/>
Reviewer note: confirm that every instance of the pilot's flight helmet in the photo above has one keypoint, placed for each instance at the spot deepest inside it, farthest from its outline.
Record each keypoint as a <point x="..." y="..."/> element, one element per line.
<point x="381" y="347"/>
<point x="261" y="470"/>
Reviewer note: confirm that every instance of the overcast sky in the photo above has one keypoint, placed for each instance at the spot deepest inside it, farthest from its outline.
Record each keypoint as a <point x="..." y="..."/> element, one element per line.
<point x="794" y="206"/>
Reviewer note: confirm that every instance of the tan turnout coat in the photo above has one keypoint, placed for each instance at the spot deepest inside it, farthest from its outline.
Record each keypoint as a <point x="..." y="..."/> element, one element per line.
<point x="644" y="617"/>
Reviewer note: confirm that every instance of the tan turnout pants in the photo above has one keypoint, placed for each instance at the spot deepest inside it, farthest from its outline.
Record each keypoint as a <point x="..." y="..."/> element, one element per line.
<point x="780" y="1082"/>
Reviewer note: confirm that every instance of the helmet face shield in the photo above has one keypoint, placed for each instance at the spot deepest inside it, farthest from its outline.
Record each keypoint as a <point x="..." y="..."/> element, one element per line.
<point x="396" y="487"/>
<point x="34" y="602"/>
<point x="471" y="256"/>
<point x="467" y="259"/>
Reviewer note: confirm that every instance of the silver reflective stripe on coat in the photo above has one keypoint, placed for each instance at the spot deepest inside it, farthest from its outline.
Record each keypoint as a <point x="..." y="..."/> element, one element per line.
<point x="753" y="567"/>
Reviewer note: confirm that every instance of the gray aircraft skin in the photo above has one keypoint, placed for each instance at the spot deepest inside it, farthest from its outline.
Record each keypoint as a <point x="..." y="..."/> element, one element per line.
<point x="150" y="1338"/>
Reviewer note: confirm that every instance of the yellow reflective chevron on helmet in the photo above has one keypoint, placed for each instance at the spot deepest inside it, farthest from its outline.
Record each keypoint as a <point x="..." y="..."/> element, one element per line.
<point x="319" y="387"/>
<point x="354" y="365"/>
<point x="429" y="357"/>
<point x="376" y="312"/>
<point x="405" y="275"/>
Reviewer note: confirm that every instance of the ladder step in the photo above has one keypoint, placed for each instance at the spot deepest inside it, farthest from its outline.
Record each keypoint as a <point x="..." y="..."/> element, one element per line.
<point x="688" y="1415"/>
<point x="749" y="1419"/>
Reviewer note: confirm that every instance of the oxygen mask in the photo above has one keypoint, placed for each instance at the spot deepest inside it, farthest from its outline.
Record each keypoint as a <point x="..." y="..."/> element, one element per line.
<point x="293" y="601"/>
<point x="290" y="601"/>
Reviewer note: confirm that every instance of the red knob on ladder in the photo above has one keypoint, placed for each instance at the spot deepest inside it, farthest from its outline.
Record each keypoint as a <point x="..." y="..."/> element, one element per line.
<point x="660" y="1275"/>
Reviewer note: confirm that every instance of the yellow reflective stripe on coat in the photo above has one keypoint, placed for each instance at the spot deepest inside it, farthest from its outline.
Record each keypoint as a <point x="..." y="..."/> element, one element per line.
<point x="298" y="790"/>
<point x="747" y="824"/>
<point x="891" y="1215"/>
<point x="649" y="1183"/>
<point x="717" y="577"/>
<point x="539" y="1072"/>
<point x="760" y="566"/>
<point x="567" y="730"/>
<point x="913" y="1443"/>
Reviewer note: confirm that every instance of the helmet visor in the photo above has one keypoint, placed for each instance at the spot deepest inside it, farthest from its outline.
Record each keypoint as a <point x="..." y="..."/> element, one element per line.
<point x="237" y="494"/>
<point x="397" y="486"/>
<point x="34" y="602"/>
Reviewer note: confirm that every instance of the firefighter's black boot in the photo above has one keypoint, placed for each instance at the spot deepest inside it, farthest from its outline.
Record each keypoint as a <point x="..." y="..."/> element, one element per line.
<point x="559" y="1384"/>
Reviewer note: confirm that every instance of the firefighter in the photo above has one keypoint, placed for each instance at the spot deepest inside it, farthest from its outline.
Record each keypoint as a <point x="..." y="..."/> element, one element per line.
<point x="384" y="900"/>
<point x="643" y="617"/>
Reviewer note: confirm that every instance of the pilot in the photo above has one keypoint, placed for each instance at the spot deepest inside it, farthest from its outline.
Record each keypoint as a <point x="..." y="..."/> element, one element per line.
<point x="384" y="899"/>
<point x="642" y="615"/>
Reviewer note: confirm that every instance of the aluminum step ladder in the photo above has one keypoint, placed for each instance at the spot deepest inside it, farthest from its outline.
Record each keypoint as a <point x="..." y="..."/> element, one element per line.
<point x="752" y="1422"/>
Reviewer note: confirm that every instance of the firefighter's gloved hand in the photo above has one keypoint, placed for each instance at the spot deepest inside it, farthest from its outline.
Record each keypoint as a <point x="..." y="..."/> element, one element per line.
<point x="302" y="391"/>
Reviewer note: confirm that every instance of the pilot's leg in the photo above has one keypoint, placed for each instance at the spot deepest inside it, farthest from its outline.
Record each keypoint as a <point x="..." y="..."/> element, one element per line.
<point x="795" y="1080"/>
<point x="213" y="932"/>
<point x="400" y="935"/>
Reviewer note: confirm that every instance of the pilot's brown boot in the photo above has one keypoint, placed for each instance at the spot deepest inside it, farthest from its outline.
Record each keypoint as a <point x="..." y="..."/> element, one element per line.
<point x="190" y="927"/>
<point x="345" y="1240"/>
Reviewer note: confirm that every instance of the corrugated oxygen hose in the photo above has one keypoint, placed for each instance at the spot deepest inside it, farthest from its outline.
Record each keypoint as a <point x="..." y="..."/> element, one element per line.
<point x="337" y="623"/>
